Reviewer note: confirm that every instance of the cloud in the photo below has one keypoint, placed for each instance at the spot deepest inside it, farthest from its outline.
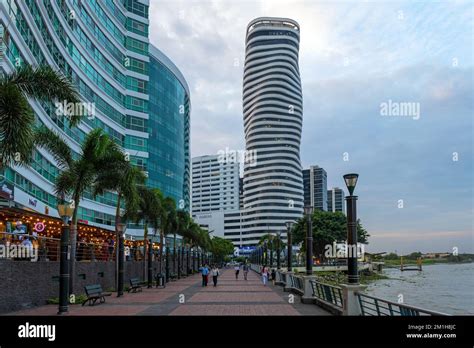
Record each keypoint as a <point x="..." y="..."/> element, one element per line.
<point x="353" y="56"/>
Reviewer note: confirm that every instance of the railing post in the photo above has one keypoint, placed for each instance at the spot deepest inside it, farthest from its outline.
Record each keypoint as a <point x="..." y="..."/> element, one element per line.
<point x="350" y="301"/>
<point x="308" y="289"/>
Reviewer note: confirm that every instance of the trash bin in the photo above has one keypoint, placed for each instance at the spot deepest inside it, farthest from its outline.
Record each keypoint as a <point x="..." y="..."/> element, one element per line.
<point x="160" y="280"/>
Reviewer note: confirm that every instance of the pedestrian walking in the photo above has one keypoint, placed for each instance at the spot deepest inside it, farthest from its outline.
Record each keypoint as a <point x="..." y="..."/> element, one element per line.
<point x="265" y="275"/>
<point x="246" y="270"/>
<point x="205" y="273"/>
<point x="237" y="270"/>
<point x="215" y="274"/>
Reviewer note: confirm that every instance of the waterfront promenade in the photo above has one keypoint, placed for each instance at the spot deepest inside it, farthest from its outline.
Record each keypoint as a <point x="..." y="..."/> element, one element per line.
<point x="187" y="297"/>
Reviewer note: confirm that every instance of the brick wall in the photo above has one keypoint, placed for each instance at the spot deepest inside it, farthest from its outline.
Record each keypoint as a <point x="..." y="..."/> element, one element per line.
<point x="25" y="284"/>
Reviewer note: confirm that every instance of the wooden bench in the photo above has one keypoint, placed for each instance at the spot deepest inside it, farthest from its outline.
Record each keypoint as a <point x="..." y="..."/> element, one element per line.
<point x="95" y="293"/>
<point x="135" y="285"/>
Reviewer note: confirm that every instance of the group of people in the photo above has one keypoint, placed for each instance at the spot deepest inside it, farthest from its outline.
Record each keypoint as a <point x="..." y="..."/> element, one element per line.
<point x="214" y="272"/>
<point x="206" y="271"/>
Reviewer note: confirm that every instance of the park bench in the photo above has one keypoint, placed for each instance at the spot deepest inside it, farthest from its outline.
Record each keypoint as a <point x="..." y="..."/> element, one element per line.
<point x="95" y="293"/>
<point x="135" y="285"/>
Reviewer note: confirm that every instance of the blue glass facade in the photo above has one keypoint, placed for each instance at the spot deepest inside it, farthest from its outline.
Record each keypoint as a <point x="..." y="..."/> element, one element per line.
<point x="168" y="142"/>
<point x="103" y="46"/>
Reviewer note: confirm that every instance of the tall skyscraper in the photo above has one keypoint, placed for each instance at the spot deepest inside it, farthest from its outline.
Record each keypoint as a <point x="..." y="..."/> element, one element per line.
<point x="273" y="118"/>
<point x="315" y="188"/>
<point x="215" y="184"/>
<point x="336" y="200"/>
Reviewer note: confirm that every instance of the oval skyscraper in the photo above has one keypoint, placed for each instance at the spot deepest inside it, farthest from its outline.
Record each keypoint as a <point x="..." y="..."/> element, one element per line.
<point x="273" y="118"/>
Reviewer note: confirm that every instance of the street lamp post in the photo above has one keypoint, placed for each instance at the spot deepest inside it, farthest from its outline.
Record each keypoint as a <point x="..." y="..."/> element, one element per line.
<point x="167" y="264"/>
<point x="65" y="212"/>
<point x="289" y="226"/>
<point x="351" y="200"/>
<point x="278" y="250"/>
<point x="121" y="227"/>
<point x="265" y="252"/>
<point x="150" y="264"/>
<point x="272" y="242"/>
<point x="308" y="210"/>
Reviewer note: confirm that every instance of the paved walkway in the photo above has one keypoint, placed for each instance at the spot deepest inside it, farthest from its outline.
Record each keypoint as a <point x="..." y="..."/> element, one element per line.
<point x="187" y="297"/>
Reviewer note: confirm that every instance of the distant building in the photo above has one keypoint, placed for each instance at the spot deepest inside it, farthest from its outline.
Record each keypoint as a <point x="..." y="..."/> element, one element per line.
<point x="223" y="224"/>
<point x="336" y="200"/>
<point x="315" y="188"/>
<point x="215" y="185"/>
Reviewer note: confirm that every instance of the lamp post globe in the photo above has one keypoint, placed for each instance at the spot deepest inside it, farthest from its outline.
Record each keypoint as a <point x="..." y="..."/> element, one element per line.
<point x="65" y="211"/>
<point x="351" y="205"/>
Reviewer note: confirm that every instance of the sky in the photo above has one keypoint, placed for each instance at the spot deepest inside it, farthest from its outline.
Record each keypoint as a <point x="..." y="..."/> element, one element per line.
<point x="356" y="57"/>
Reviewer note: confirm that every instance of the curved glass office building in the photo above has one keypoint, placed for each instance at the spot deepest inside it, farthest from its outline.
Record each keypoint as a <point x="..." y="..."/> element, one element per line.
<point x="103" y="47"/>
<point x="273" y="116"/>
<point x="168" y="143"/>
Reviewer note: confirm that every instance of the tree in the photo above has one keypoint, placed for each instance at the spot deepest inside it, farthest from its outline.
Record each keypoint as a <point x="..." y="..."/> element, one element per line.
<point x="78" y="173"/>
<point x="167" y="223"/>
<point x="123" y="178"/>
<point x="148" y="212"/>
<point x="221" y="248"/>
<point x="328" y="227"/>
<point x="16" y="116"/>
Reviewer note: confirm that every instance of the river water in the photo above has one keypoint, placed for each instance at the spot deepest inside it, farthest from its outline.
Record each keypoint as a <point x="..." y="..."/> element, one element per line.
<point x="447" y="288"/>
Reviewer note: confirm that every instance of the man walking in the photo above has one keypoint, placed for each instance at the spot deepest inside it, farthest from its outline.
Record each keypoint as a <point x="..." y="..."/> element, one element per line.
<point x="205" y="274"/>
<point x="246" y="270"/>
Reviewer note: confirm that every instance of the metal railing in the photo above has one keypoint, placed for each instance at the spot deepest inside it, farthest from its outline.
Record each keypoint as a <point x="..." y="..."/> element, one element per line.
<point x="48" y="249"/>
<point x="327" y="293"/>
<point x="295" y="282"/>
<point x="374" y="306"/>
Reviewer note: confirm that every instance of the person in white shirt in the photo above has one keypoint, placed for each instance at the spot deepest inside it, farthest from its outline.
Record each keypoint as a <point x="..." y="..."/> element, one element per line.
<point x="237" y="270"/>
<point x="215" y="274"/>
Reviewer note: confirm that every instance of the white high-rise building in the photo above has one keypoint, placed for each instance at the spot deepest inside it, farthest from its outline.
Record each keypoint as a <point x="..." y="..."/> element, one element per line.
<point x="273" y="119"/>
<point x="215" y="184"/>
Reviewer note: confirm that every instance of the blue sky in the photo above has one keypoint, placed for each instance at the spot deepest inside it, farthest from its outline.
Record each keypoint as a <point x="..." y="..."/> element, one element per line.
<point x="353" y="57"/>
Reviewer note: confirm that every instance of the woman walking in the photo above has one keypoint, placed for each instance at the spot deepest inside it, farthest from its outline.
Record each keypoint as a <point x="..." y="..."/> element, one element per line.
<point x="215" y="274"/>
<point x="265" y="275"/>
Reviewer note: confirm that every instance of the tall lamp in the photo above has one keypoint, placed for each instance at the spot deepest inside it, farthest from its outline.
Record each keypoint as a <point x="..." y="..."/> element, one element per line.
<point x="121" y="227"/>
<point x="308" y="211"/>
<point x="351" y="202"/>
<point x="65" y="211"/>
<point x="289" y="226"/>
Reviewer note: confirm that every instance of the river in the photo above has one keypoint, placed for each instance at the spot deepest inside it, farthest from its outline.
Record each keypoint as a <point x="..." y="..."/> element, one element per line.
<point x="447" y="288"/>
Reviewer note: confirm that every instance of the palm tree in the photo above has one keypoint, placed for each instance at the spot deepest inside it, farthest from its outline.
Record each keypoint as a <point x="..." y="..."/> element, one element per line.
<point x="183" y="229"/>
<point x="167" y="223"/>
<point x="148" y="212"/>
<point x="122" y="178"/>
<point x="16" y="116"/>
<point x="78" y="174"/>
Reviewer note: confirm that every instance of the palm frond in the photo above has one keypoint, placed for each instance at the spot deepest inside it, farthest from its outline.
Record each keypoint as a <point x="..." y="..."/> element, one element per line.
<point x="16" y="132"/>
<point x="55" y="144"/>
<point x="44" y="83"/>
